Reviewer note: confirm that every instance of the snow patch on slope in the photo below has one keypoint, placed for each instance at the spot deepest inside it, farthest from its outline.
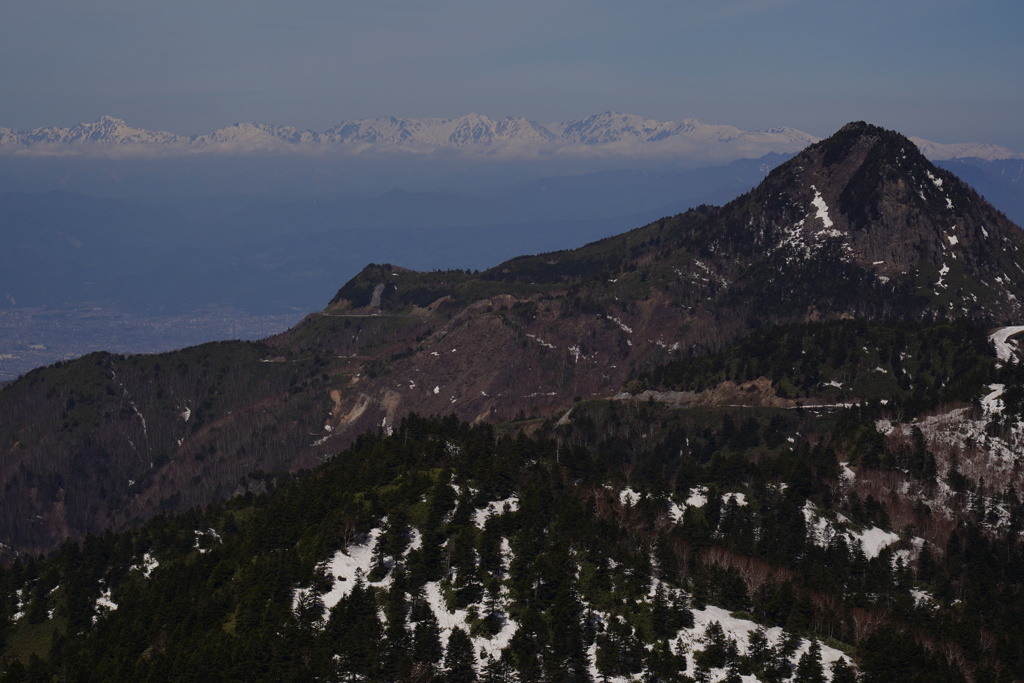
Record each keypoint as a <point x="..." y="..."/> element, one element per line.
<point x="822" y="208"/>
<point x="1005" y="349"/>
<point x="822" y="530"/>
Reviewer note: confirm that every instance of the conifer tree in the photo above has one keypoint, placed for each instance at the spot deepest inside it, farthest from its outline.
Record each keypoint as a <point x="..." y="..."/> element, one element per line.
<point x="842" y="672"/>
<point x="355" y="630"/>
<point x="309" y="612"/>
<point x="458" y="658"/>
<point x="718" y="650"/>
<point x="497" y="671"/>
<point x="426" y="641"/>
<point x="809" y="669"/>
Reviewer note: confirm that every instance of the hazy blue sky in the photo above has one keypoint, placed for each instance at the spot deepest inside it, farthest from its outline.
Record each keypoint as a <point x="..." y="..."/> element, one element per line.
<point x="947" y="70"/>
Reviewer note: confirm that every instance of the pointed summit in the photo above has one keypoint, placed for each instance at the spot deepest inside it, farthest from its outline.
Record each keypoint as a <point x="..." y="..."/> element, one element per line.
<point x="857" y="224"/>
<point x="869" y="200"/>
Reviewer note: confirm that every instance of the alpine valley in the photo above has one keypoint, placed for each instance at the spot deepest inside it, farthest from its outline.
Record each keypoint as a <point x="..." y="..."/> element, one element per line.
<point x="774" y="440"/>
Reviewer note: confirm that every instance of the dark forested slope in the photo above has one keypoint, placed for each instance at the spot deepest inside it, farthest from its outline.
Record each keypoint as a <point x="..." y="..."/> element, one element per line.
<point x="449" y="552"/>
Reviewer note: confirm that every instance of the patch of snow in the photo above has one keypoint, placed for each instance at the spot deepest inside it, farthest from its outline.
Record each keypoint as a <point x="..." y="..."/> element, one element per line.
<point x="739" y="630"/>
<point x="875" y="540"/>
<point x="19" y="611"/>
<point x="622" y="325"/>
<point x="739" y="498"/>
<point x="953" y="240"/>
<point x="437" y="389"/>
<point x="348" y="565"/>
<point x="1005" y="350"/>
<point x="149" y="563"/>
<point x="676" y="512"/>
<point x="202" y="534"/>
<point x="497" y="507"/>
<point x="104" y="602"/>
<point x="822" y="207"/>
<point x="539" y="341"/>
<point x="991" y="403"/>
<point x="821" y="531"/>
<point x="576" y="353"/>
<point x="922" y="598"/>
<point x="697" y="497"/>
<point x="628" y="497"/>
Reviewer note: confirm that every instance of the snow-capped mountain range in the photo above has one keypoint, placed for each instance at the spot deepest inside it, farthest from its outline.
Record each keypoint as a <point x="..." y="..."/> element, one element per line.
<point x="608" y="133"/>
<point x="618" y="133"/>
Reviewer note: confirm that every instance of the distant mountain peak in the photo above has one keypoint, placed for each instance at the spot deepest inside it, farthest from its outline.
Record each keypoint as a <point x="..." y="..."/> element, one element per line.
<point x="607" y="133"/>
<point x="868" y="197"/>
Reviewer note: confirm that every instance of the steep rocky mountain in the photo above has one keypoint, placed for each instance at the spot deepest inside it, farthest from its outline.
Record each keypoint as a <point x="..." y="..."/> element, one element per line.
<point x="106" y="130"/>
<point x="860" y="225"/>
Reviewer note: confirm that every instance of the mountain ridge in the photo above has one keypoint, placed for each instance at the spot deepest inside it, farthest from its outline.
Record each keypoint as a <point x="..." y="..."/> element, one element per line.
<point x="469" y="132"/>
<point x="611" y="132"/>
<point x="688" y="284"/>
<point x="859" y="225"/>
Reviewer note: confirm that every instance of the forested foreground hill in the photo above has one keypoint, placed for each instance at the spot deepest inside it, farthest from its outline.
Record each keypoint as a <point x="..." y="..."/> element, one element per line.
<point x="736" y="548"/>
